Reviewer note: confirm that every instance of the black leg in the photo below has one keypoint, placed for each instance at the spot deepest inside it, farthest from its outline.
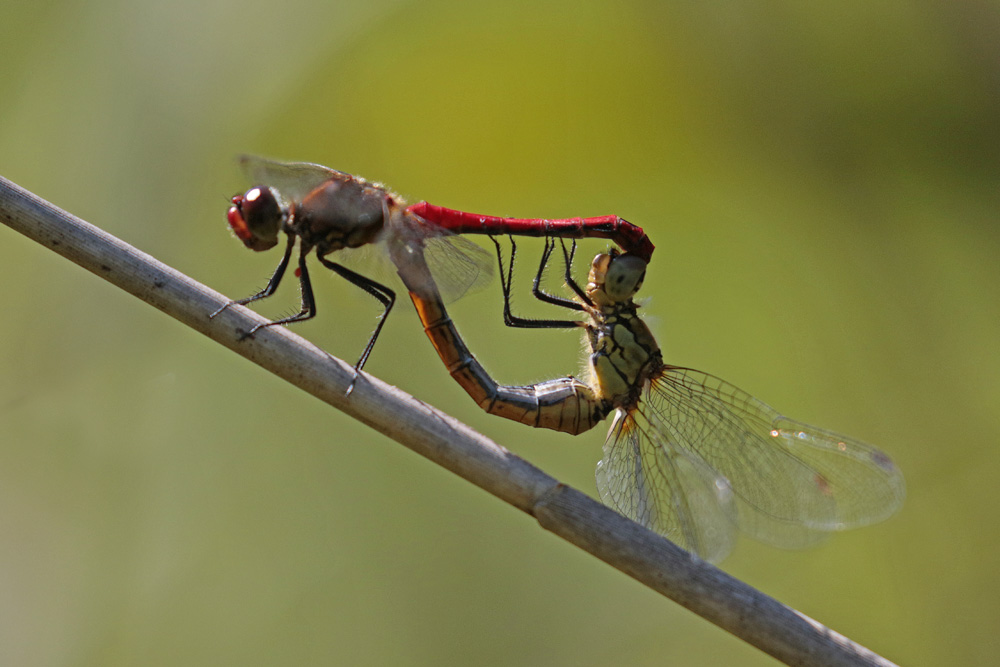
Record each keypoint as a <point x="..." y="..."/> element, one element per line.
<point x="272" y="284"/>
<point x="506" y="282"/>
<point x="568" y="257"/>
<point x="308" y="307"/>
<point x="385" y="296"/>
<point x="536" y="289"/>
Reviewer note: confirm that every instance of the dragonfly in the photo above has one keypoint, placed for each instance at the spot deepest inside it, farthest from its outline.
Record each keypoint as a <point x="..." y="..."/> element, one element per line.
<point x="687" y="455"/>
<point x="324" y="210"/>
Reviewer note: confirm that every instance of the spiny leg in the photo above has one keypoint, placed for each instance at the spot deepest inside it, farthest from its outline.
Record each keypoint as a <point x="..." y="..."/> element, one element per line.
<point x="307" y="309"/>
<point x="383" y="294"/>
<point x="272" y="284"/>
<point x="536" y="288"/>
<point x="506" y="282"/>
<point x="573" y="285"/>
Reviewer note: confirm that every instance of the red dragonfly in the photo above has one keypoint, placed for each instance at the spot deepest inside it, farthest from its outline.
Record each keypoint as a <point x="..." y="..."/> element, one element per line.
<point x="325" y="210"/>
<point x="688" y="455"/>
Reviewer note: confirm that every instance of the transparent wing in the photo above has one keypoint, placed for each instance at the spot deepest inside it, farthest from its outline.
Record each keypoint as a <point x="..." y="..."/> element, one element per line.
<point x="666" y="489"/>
<point x="699" y="458"/>
<point x="293" y="180"/>
<point x="458" y="265"/>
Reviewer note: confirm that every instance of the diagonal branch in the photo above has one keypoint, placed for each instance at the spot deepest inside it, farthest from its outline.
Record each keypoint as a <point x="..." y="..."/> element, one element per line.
<point x="654" y="561"/>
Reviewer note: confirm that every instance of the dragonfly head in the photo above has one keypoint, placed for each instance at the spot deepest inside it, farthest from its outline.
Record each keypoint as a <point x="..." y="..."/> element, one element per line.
<point x="618" y="276"/>
<point x="256" y="217"/>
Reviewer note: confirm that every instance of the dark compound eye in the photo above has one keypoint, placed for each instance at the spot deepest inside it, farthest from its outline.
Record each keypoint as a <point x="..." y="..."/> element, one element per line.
<point x="261" y="211"/>
<point x="256" y="218"/>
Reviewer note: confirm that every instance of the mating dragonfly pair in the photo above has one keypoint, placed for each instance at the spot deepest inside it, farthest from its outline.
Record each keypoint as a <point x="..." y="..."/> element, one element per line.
<point x="687" y="455"/>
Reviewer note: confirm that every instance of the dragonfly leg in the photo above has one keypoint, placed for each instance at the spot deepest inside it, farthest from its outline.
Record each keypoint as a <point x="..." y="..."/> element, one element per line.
<point x="536" y="288"/>
<point x="573" y="285"/>
<point x="506" y="281"/>
<point x="383" y="294"/>
<point x="272" y="284"/>
<point x="308" y="306"/>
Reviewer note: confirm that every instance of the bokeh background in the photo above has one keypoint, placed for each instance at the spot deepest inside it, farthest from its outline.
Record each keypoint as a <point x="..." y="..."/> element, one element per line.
<point x="821" y="183"/>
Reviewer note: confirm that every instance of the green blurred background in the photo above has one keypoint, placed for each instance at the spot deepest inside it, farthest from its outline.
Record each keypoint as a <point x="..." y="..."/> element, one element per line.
<point x="820" y="180"/>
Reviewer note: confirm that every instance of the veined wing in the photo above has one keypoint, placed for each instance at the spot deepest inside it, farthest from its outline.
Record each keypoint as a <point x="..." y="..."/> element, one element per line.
<point x="665" y="489"/>
<point x="292" y="180"/>
<point x="458" y="265"/>
<point x="699" y="458"/>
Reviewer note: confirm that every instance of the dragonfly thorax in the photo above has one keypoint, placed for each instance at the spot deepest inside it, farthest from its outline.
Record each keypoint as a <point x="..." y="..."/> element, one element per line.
<point x="623" y="354"/>
<point x="342" y="213"/>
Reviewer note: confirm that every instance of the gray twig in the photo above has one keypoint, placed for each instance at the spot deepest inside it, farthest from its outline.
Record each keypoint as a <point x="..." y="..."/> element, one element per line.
<point x="649" y="558"/>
